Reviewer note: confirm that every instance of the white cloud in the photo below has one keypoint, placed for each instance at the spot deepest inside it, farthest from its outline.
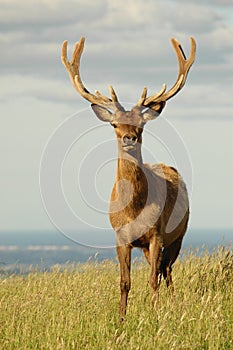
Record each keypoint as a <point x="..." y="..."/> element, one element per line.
<point x="220" y="39"/>
<point x="118" y="36"/>
<point x="136" y="14"/>
<point x="221" y="3"/>
<point x="44" y="13"/>
<point x="195" y="18"/>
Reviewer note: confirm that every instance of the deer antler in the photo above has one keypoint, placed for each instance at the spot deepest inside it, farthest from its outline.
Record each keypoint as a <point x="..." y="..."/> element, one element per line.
<point x="184" y="66"/>
<point x="72" y="68"/>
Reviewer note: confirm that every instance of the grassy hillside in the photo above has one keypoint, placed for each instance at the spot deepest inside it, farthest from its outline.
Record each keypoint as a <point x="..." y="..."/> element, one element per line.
<point x="78" y="308"/>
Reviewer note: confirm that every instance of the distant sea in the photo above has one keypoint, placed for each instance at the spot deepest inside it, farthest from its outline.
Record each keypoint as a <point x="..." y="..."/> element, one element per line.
<point x="21" y="252"/>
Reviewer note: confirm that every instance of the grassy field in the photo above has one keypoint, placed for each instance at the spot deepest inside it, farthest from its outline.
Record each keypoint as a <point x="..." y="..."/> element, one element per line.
<point x="77" y="308"/>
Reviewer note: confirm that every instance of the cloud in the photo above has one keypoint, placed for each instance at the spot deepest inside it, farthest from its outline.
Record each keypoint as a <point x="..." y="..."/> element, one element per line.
<point x="32" y="15"/>
<point x="136" y="15"/>
<point x="221" y="3"/>
<point x="195" y="18"/>
<point x="127" y="46"/>
<point x="197" y="104"/>
<point x="31" y="36"/>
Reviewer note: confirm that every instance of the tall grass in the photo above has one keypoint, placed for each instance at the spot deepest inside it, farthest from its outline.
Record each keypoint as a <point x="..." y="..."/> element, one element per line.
<point x="77" y="308"/>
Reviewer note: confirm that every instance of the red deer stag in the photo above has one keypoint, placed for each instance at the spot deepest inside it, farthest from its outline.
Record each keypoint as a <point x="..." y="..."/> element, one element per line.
<point x="149" y="205"/>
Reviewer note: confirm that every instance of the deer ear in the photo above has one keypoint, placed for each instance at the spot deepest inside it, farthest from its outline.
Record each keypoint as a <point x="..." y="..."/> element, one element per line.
<point x="102" y="113"/>
<point x="153" y="112"/>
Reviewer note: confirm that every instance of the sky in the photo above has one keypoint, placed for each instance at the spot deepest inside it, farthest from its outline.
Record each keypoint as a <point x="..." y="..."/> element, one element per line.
<point x="44" y="121"/>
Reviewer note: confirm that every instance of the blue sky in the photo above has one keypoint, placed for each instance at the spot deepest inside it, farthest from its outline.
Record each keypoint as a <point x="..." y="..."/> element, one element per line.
<point x="128" y="46"/>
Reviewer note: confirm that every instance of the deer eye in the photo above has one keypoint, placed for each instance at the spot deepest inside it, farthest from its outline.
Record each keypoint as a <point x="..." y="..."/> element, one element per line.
<point x="114" y="125"/>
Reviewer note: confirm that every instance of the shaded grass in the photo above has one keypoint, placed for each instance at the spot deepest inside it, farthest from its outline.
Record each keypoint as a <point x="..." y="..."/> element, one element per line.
<point x="78" y="308"/>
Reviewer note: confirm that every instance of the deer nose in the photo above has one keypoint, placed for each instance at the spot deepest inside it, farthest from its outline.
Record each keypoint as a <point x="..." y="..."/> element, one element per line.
<point x="129" y="140"/>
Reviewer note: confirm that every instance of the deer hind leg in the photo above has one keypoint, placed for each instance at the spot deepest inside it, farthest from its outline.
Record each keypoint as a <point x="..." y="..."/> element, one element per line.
<point x="169" y="256"/>
<point x="124" y="256"/>
<point x="146" y="253"/>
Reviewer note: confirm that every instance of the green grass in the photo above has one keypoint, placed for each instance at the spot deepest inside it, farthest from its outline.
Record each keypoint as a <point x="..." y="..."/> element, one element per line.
<point x="77" y="308"/>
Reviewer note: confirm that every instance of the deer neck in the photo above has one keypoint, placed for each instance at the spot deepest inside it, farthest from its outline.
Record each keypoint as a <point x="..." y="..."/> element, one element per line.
<point x="129" y="193"/>
<point x="131" y="182"/>
<point x="129" y="164"/>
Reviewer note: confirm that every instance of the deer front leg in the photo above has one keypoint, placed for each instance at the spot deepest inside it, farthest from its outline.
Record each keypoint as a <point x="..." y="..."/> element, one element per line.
<point x="155" y="252"/>
<point x="124" y="256"/>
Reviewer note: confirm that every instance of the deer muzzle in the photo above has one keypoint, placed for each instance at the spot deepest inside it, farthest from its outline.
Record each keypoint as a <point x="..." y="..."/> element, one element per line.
<point x="129" y="142"/>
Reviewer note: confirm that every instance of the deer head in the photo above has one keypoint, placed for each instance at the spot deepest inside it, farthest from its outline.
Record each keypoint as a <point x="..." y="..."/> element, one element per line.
<point x="128" y="124"/>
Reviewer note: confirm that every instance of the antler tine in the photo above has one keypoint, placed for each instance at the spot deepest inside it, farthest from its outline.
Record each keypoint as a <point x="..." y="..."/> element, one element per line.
<point x="184" y="66"/>
<point x="143" y="101"/>
<point x="154" y="97"/>
<point x="142" y="98"/>
<point x="112" y="93"/>
<point x="115" y="99"/>
<point x="72" y="68"/>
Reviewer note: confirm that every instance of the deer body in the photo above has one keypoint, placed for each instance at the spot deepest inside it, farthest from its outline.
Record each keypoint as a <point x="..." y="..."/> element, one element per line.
<point x="144" y="211"/>
<point x="142" y="201"/>
<point x="149" y="205"/>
